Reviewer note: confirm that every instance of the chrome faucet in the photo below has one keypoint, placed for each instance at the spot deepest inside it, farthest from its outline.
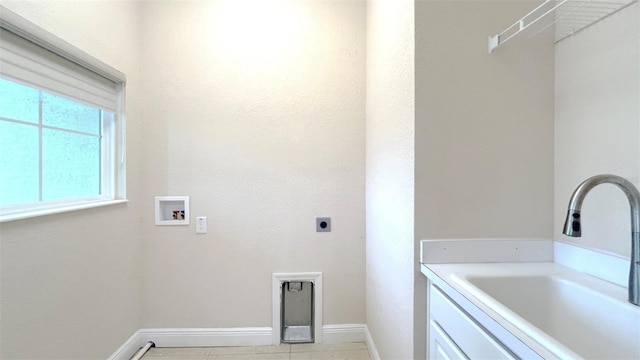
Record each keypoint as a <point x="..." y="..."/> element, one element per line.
<point x="572" y="223"/>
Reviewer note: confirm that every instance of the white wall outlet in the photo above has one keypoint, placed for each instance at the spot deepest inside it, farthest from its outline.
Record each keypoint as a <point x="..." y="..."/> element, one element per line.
<point x="201" y="225"/>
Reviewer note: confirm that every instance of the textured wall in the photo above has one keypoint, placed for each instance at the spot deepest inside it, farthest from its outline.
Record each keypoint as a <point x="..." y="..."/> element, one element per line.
<point x="258" y="115"/>
<point x="70" y="286"/>
<point x="598" y="126"/>
<point x="390" y="176"/>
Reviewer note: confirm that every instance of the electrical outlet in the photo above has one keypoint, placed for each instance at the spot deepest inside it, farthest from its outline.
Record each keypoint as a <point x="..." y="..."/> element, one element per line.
<point x="323" y="224"/>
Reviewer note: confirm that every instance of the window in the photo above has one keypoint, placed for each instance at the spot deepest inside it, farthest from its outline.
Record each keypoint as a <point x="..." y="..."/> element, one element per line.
<point x="50" y="147"/>
<point x="61" y="125"/>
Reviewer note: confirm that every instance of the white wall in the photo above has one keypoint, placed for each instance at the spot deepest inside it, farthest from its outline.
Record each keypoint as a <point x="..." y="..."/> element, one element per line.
<point x="71" y="282"/>
<point x="484" y="130"/>
<point x="390" y="176"/>
<point x="258" y="115"/>
<point x="597" y="127"/>
<point x="484" y="124"/>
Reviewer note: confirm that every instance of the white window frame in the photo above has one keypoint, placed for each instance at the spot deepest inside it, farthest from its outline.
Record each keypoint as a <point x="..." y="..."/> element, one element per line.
<point x="113" y="177"/>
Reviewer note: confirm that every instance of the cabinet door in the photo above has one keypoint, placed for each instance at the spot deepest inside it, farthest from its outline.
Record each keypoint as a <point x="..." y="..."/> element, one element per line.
<point x="441" y="347"/>
<point x="473" y="340"/>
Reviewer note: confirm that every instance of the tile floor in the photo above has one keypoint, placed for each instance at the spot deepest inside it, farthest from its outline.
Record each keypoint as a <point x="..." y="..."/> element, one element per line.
<point x="347" y="351"/>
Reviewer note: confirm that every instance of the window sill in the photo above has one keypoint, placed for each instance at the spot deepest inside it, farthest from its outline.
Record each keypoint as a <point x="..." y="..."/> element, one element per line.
<point x="59" y="209"/>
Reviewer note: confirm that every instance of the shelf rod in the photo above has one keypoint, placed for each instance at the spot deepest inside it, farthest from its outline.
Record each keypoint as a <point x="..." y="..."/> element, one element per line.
<point x="498" y="40"/>
<point x="569" y="20"/>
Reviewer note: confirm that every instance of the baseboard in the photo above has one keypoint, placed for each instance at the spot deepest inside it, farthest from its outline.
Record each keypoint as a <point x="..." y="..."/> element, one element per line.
<point x="343" y="333"/>
<point x="128" y="349"/>
<point x="249" y="336"/>
<point x="373" y="351"/>
<point x="190" y="337"/>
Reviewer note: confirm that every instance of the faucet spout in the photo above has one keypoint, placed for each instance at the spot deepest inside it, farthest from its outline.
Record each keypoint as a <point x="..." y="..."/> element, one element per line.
<point x="572" y="224"/>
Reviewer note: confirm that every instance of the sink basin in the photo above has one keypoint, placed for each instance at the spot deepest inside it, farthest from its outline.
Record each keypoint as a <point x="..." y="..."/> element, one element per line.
<point x="591" y="317"/>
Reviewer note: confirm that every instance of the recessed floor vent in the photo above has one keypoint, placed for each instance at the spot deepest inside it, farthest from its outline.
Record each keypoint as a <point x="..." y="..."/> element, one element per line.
<point x="297" y="308"/>
<point x="296" y="312"/>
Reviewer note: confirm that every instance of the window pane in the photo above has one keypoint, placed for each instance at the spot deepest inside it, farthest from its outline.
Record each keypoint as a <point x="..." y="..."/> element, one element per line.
<point x="18" y="163"/>
<point x="18" y="102"/>
<point x="70" y="165"/>
<point x="67" y="114"/>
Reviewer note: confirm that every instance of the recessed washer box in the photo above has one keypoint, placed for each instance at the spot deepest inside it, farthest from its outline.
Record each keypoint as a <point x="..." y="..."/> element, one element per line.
<point x="172" y="210"/>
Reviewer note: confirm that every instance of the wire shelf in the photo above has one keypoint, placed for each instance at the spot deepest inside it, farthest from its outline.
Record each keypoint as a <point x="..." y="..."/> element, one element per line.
<point x="567" y="17"/>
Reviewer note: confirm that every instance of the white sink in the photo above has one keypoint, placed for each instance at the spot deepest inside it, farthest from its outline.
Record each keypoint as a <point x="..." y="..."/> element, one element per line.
<point x="587" y="316"/>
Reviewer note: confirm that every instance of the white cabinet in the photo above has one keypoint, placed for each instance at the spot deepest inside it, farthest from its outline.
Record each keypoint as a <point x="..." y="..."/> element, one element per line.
<point x="441" y="347"/>
<point x="453" y="333"/>
<point x="464" y="333"/>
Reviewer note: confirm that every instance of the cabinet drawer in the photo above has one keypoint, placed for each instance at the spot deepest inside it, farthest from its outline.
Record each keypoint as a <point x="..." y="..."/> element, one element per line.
<point x="441" y="347"/>
<point x="470" y="337"/>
